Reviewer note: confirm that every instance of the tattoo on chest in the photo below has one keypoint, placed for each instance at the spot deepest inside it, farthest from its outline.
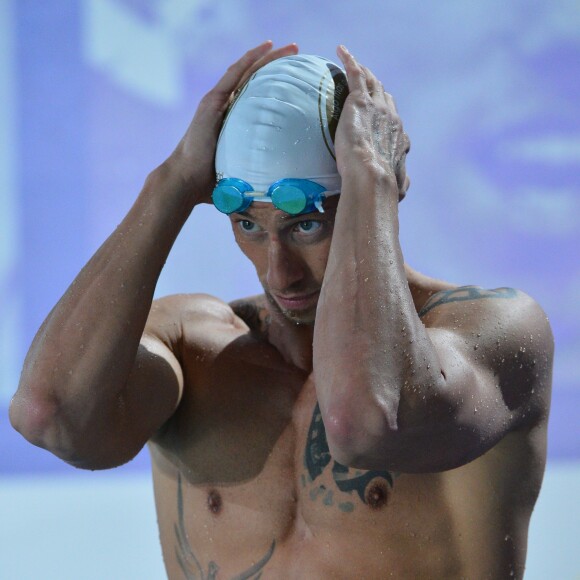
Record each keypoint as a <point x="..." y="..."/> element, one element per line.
<point x="372" y="487"/>
<point x="189" y="562"/>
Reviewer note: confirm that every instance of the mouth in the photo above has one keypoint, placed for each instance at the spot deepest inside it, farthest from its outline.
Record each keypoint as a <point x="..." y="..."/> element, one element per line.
<point x="297" y="301"/>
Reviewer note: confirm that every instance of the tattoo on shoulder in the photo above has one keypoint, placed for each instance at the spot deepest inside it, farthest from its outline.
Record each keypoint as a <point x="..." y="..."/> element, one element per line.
<point x="190" y="564"/>
<point x="464" y="293"/>
<point x="372" y="487"/>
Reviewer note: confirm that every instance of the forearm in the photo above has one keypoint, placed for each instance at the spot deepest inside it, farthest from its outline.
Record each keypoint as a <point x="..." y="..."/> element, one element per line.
<point x="373" y="360"/>
<point x="81" y="357"/>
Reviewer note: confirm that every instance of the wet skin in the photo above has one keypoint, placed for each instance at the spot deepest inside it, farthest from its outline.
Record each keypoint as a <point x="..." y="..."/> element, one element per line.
<point x="244" y="480"/>
<point x="357" y="420"/>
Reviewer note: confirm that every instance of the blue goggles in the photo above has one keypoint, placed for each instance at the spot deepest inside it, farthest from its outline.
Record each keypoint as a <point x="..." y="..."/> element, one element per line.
<point x="291" y="195"/>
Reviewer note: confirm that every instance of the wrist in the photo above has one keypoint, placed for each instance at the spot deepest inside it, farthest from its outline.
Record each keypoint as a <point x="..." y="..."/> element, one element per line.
<point x="170" y="181"/>
<point x="369" y="178"/>
<point x="166" y="191"/>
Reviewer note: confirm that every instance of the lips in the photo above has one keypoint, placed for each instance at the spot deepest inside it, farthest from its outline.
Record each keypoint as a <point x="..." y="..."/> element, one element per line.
<point x="297" y="301"/>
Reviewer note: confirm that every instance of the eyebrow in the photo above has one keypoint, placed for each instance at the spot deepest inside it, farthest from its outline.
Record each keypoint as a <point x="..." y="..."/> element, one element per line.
<point x="313" y="216"/>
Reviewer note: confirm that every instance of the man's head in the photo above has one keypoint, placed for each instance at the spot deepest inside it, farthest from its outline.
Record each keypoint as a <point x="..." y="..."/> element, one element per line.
<point x="277" y="140"/>
<point x="277" y="176"/>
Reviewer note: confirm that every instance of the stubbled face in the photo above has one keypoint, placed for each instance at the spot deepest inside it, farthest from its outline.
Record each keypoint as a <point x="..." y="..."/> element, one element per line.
<point x="289" y="254"/>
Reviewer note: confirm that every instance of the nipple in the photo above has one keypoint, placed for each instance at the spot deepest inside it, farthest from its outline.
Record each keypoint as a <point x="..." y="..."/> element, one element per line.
<point x="376" y="494"/>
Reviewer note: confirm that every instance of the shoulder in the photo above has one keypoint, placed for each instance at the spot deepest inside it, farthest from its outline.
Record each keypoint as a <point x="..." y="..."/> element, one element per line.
<point x="502" y="331"/>
<point x="503" y="308"/>
<point x="467" y="294"/>
<point x="183" y="316"/>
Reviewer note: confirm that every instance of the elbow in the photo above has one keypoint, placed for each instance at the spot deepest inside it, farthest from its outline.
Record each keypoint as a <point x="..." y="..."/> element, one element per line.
<point x="34" y="417"/>
<point x="359" y="439"/>
<point x="39" y="419"/>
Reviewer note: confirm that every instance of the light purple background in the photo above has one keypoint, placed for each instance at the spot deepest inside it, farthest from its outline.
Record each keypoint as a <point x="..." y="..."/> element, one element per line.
<point x="96" y="93"/>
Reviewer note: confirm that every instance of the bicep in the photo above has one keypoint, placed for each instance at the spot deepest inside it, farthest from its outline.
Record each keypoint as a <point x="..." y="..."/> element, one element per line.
<point x="123" y="425"/>
<point x="497" y="378"/>
<point x="154" y="388"/>
<point x="471" y="395"/>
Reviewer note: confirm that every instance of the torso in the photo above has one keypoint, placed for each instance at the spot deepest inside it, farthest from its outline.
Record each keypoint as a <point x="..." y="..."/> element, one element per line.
<point x="245" y="486"/>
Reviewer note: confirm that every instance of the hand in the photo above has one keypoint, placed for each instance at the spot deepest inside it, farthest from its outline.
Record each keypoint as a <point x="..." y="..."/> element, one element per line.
<point x="369" y="126"/>
<point x="193" y="161"/>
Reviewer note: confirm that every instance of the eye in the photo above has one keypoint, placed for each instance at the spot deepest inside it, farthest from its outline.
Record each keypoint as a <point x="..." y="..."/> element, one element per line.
<point x="307" y="227"/>
<point x="248" y="226"/>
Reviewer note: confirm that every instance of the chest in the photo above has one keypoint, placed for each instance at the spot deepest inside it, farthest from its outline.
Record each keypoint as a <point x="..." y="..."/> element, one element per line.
<point x="256" y="436"/>
<point x="247" y="466"/>
<point x="243" y="475"/>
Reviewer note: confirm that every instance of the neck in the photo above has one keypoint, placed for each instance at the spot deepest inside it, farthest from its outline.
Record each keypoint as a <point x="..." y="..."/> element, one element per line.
<point x="293" y="341"/>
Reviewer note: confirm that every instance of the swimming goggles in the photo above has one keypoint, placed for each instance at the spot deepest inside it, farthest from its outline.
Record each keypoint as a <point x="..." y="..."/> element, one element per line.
<point x="291" y="195"/>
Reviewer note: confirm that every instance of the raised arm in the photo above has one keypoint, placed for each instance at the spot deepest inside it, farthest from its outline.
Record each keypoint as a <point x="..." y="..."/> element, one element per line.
<point x="94" y="388"/>
<point x="395" y="392"/>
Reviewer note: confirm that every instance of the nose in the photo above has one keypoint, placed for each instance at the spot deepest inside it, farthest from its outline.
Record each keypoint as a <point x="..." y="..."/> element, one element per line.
<point x="285" y="268"/>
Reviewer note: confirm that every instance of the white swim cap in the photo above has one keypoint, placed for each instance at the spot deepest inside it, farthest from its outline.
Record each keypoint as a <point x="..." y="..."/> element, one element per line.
<point x="282" y="124"/>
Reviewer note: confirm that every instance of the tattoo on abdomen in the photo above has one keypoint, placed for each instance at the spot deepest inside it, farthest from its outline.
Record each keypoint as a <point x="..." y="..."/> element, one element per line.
<point x="372" y="487"/>
<point x="188" y="562"/>
<point x="465" y="293"/>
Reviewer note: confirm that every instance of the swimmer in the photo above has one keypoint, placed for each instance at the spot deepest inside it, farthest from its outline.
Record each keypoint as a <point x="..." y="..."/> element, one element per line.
<point x="356" y="420"/>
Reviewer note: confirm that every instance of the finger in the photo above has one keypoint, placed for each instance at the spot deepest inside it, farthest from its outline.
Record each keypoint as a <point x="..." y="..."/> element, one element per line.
<point x="391" y="102"/>
<point x="373" y="84"/>
<point x="354" y="73"/>
<point x="286" y="50"/>
<point x="236" y="71"/>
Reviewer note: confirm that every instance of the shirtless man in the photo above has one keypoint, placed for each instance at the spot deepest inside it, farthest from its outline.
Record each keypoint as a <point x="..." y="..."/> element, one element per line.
<point x="358" y="420"/>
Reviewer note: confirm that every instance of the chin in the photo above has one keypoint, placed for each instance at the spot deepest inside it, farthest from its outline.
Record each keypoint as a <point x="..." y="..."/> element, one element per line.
<point x="298" y="317"/>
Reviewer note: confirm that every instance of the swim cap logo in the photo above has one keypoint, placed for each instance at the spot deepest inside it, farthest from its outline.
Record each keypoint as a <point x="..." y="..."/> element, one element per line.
<point x="337" y="100"/>
<point x="334" y="96"/>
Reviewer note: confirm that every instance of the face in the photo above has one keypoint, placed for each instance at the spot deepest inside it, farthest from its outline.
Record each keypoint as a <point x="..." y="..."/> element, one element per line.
<point x="289" y="254"/>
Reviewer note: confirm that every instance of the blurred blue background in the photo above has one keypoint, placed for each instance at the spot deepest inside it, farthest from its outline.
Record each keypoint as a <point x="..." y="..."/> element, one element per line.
<point x="96" y="93"/>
